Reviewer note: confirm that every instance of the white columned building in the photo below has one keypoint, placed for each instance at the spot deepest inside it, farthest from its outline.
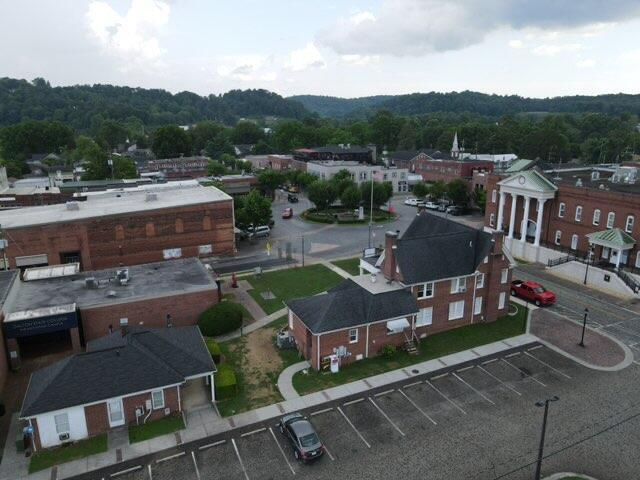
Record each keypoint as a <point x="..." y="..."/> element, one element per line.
<point x="529" y="186"/>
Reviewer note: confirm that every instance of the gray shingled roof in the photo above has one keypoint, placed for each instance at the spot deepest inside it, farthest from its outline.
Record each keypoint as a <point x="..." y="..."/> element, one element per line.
<point x="348" y="305"/>
<point x="434" y="248"/>
<point x="115" y="365"/>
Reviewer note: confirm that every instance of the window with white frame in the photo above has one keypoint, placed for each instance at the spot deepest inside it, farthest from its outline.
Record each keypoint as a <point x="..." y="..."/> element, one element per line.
<point x="157" y="399"/>
<point x="459" y="285"/>
<point x="477" y="306"/>
<point x="504" y="275"/>
<point x="492" y="220"/>
<point x="574" y="242"/>
<point x="494" y="195"/>
<point x="480" y="280"/>
<point x="596" y="216"/>
<point x="638" y="260"/>
<point x="353" y="335"/>
<point x="426" y="290"/>
<point x="456" y="310"/>
<point x="561" y="209"/>
<point x="425" y="317"/>
<point x="558" y="237"/>
<point x="579" y="213"/>
<point x="628" y="226"/>
<point x="611" y="219"/>
<point x="501" y="300"/>
<point x="62" y="423"/>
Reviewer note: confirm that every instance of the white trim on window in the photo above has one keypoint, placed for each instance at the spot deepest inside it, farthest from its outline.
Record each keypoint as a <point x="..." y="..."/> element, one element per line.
<point x="494" y="195"/>
<point x="628" y="226"/>
<point x="480" y="280"/>
<point x="459" y="285"/>
<point x="61" y="421"/>
<point x="558" y="237"/>
<point x="578" y="216"/>
<point x="611" y="219"/>
<point x="504" y="275"/>
<point x="492" y="220"/>
<point x="425" y="317"/>
<point x="502" y="300"/>
<point x="561" y="209"/>
<point x="157" y="399"/>
<point x="456" y="310"/>
<point x="353" y="335"/>
<point x="477" y="306"/>
<point x="574" y="242"/>
<point x="637" y="259"/>
<point x="426" y="290"/>
<point x="596" y="216"/>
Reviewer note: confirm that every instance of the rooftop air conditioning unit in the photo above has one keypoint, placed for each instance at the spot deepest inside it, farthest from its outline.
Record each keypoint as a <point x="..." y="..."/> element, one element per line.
<point x="151" y="197"/>
<point x="112" y="294"/>
<point x="91" y="283"/>
<point x="73" y="206"/>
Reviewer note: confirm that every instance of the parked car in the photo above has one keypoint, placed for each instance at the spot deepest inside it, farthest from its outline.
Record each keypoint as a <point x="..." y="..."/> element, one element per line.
<point x="258" y="232"/>
<point x="455" y="210"/>
<point x="293" y="189"/>
<point x="302" y="436"/>
<point x="532" y="291"/>
<point x="287" y="212"/>
<point x="292" y="198"/>
<point x="412" y="202"/>
<point x="431" y="205"/>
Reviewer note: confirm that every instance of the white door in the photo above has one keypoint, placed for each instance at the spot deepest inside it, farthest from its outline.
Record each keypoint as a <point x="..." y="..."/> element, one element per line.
<point x="116" y="412"/>
<point x="574" y="242"/>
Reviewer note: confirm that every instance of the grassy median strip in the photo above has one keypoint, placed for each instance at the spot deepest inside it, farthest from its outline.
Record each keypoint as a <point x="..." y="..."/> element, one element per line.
<point x="291" y="283"/>
<point x="349" y="265"/>
<point x="146" y="431"/>
<point x="73" y="451"/>
<point x="434" y="346"/>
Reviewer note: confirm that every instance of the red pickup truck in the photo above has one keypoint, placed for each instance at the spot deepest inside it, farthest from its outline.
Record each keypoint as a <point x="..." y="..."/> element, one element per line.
<point x="533" y="292"/>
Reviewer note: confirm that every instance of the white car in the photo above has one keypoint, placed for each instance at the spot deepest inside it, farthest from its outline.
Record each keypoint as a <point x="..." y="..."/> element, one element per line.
<point x="412" y="202"/>
<point x="261" y="231"/>
<point x="431" y="205"/>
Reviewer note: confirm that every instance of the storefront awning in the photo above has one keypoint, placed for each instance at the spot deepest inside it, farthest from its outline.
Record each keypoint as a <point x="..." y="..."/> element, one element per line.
<point x="398" y="325"/>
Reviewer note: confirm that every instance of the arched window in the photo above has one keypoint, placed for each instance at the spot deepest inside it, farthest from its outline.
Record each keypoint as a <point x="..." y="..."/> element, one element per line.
<point x="611" y="219"/>
<point x="596" y="216"/>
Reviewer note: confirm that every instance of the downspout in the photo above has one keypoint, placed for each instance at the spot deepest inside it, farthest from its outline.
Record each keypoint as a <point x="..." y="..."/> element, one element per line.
<point x="150" y="410"/>
<point x="318" y="351"/>
<point x="179" y="399"/>
<point x="366" y="348"/>
<point x="473" y="303"/>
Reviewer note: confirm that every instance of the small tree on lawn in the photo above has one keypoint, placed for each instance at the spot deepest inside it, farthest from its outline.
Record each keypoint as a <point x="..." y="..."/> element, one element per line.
<point x="437" y="190"/>
<point x="322" y="194"/>
<point x="458" y="192"/>
<point x="480" y="199"/>
<point x="420" y="190"/>
<point x="350" y="198"/>
<point x="382" y="192"/>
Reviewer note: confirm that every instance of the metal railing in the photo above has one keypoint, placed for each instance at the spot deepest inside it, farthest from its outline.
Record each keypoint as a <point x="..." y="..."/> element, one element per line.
<point x="559" y="261"/>
<point x="630" y="281"/>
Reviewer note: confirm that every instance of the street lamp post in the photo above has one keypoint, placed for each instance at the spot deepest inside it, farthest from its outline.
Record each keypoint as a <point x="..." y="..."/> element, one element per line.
<point x="584" y="326"/>
<point x="545" y="404"/>
<point x="586" y="270"/>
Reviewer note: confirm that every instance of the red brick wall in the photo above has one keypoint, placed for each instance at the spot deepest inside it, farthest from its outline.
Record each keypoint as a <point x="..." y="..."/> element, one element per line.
<point x="130" y="404"/>
<point x="102" y="247"/>
<point x="184" y="309"/>
<point x="4" y="360"/>
<point x="448" y="170"/>
<point x="97" y="419"/>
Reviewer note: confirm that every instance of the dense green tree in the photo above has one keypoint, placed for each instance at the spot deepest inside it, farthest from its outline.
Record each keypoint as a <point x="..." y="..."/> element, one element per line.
<point x="228" y="161"/>
<point x="202" y="133"/>
<point x="420" y="190"/>
<point x="437" y="190"/>
<point x="382" y="193"/>
<point x="341" y="181"/>
<point x="385" y="129"/>
<point x="270" y="180"/>
<point x="458" y="192"/>
<point x="216" y="168"/>
<point x="407" y="136"/>
<point x="262" y="148"/>
<point x="96" y="165"/>
<point x="254" y="209"/>
<point x="322" y="194"/>
<point x="171" y="141"/>
<point x="351" y="197"/>
<point x="112" y="134"/>
<point x="124" y="167"/>
<point x="480" y="198"/>
<point x="246" y="132"/>
<point x="220" y="145"/>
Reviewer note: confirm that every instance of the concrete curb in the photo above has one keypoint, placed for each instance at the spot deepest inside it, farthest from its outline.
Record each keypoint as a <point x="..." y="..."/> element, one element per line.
<point x="561" y="475"/>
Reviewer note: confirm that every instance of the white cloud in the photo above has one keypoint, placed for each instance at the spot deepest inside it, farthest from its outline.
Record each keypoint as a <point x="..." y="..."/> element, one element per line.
<point x="516" y="44"/>
<point x="586" y="63"/>
<point x="305" y="58"/>
<point x="360" y="60"/>
<point x="632" y="56"/>
<point x="551" y="50"/>
<point x="242" y="67"/>
<point x="417" y="27"/>
<point x="134" y="35"/>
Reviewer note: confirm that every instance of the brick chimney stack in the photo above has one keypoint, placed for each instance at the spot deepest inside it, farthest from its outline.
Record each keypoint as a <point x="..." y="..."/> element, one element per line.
<point x="390" y="262"/>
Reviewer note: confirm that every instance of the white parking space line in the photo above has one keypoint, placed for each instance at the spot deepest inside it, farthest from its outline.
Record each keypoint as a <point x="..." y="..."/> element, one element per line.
<point x="357" y="400"/>
<point x="170" y="457"/>
<point x="328" y="452"/>
<point x="124" y="472"/>
<point x="195" y="464"/>
<point x="445" y="397"/>
<point x="512" y="355"/>
<point x="413" y="384"/>
<point x="465" y="368"/>
<point x="535" y="348"/>
<point x="417" y="407"/>
<point x="253" y="432"/>
<point x="354" y="428"/>
<point x="624" y="330"/>
<point x="474" y="389"/>
<point x="320" y="412"/>
<point x="384" y="393"/>
<point x="386" y="416"/>
<point x="439" y="376"/>
<point x="151" y="476"/>
<point x="490" y="361"/>
<point x="235" y="447"/>
<point x="523" y="373"/>
<point x="281" y="451"/>
<point x="547" y="365"/>
<point x="497" y="379"/>
<point x="209" y="445"/>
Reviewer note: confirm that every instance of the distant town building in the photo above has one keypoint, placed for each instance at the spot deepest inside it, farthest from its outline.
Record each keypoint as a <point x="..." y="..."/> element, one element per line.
<point x="361" y="173"/>
<point x="179" y="168"/>
<point x="342" y="152"/>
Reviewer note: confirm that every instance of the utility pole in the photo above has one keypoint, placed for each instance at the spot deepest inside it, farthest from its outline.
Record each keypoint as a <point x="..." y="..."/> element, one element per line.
<point x="545" y="404"/>
<point x="302" y="238"/>
<point x="584" y="326"/>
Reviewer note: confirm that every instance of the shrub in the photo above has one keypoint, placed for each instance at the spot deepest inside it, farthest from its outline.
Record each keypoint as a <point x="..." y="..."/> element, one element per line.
<point x="388" y="351"/>
<point x="222" y="318"/>
<point x="214" y="349"/>
<point x="226" y="384"/>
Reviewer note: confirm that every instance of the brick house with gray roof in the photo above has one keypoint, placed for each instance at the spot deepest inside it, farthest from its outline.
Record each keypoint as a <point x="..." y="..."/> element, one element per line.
<point x="439" y="275"/>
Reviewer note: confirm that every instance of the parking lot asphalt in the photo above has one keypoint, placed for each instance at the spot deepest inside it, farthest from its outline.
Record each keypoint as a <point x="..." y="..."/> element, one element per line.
<point x="477" y="421"/>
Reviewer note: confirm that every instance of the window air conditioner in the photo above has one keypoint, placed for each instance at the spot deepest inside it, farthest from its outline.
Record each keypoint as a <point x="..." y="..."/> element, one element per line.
<point x="63" y="437"/>
<point x="462" y="289"/>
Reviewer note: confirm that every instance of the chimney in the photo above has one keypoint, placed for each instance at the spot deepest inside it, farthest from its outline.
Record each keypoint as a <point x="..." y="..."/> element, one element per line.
<point x="389" y="265"/>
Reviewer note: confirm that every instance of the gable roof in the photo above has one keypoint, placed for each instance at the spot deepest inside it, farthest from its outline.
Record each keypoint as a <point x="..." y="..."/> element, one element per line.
<point x="529" y="180"/>
<point x="435" y="248"/>
<point x="114" y="366"/>
<point x="348" y="305"/>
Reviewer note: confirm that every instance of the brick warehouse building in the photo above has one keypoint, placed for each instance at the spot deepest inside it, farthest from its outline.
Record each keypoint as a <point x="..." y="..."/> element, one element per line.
<point x="59" y="308"/>
<point x="122" y="228"/>
<point x="447" y="170"/>
<point x="567" y="210"/>
<point x="439" y="275"/>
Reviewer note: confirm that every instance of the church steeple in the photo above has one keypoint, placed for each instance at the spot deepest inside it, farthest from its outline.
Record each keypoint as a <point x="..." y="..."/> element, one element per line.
<point x="455" y="150"/>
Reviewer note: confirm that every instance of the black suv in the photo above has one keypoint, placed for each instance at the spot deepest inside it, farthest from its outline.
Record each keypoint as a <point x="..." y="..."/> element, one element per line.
<point x="303" y="437"/>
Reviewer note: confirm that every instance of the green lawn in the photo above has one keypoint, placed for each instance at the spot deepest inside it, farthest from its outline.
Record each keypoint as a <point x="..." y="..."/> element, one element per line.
<point x="349" y="265"/>
<point x="139" y="433"/>
<point x="53" y="456"/>
<point x="291" y="283"/>
<point x="434" y="346"/>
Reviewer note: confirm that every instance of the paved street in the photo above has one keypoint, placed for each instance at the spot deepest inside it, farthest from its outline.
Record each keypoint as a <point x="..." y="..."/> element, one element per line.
<point x="475" y="421"/>
<point x="330" y="241"/>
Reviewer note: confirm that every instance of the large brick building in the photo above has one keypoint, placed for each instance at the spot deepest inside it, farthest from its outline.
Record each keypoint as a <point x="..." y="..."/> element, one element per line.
<point x="439" y="275"/>
<point x="179" y="168"/>
<point x="345" y="153"/>
<point x="569" y="209"/>
<point x="447" y="170"/>
<point x="122" y="228"/>
<point x="134" y="378"/>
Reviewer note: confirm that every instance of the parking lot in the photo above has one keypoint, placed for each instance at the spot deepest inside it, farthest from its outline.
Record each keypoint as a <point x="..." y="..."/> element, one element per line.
<point x="377" y="423"/>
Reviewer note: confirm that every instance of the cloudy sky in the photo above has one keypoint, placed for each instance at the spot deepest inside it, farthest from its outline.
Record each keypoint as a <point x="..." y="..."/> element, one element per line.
<point x="328" y="47"/>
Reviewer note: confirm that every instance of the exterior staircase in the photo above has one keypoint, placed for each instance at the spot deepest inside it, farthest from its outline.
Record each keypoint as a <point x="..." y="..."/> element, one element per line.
<point x="410" y="345"/>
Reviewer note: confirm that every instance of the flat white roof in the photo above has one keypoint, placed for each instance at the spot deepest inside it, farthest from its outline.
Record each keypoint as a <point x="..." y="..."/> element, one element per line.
<point x="111" y="204"/>
<point x="376" y="283"/>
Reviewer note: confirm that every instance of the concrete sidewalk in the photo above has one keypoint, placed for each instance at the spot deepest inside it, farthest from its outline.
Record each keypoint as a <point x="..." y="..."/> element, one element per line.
<point x="254" y="326"/>
<point x="285" y="379"/>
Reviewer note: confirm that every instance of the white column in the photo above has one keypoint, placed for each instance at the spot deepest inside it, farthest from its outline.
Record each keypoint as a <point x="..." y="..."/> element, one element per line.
<point x="618" y="259"/>
<point x="500" y="212"/>
<point x="541" y="201"/>
<point x="525" y="220"/>
<point x="512" y="218"/>
<point x="213" y="390"/>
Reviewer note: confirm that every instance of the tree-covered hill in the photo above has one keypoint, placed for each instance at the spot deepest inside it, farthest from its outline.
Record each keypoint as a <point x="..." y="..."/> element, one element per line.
<point x="338" y="107"/>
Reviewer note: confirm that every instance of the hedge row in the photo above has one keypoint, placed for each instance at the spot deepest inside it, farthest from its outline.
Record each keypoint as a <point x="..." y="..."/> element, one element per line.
<point x="222" y="318"/>
<point x="214" y="349"/>
<point x="226" y="384"/>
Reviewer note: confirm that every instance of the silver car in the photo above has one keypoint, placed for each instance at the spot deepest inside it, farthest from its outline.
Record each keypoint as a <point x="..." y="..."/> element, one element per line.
<point x="302" y="436"/>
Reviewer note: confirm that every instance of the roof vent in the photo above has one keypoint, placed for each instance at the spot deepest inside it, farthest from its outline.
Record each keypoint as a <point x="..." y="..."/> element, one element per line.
<point x="73" y="206"/>
<point x="122" y="276"/>
<point x="579" y="182"/>
<point x="91" y="283"/>
<point x="151" y="197"/>
<point x="602" y="187"/>
<point x="112" y="294"/>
